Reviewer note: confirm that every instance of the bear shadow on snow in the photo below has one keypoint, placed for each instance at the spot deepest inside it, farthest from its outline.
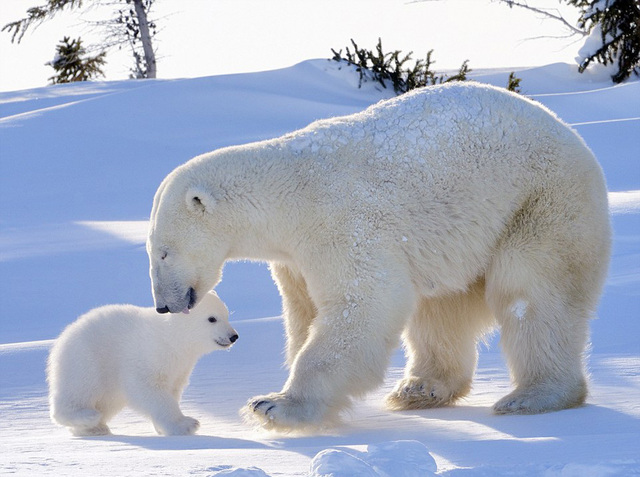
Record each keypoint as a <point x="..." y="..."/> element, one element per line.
<point x="194" y="442"/>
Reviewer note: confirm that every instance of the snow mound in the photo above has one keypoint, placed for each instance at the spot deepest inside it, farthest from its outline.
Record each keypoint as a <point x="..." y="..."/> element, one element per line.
<point x="238" y="472"/>
<point x="386" y="459"/>
<point x="624" y="202"/>
<point x="401" y="458"/>
<point x="338" y="463"/>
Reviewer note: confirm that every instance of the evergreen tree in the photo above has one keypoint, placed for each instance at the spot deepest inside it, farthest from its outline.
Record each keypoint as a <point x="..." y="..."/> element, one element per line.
<point x="71" y="63"/>
<point x="617" y="24"/>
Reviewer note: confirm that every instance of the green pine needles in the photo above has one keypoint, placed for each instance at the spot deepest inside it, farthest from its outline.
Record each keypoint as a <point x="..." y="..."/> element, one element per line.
<point x="391" y="68"/>
<point x="617" y="23"/>
<point x="71" y="63"/>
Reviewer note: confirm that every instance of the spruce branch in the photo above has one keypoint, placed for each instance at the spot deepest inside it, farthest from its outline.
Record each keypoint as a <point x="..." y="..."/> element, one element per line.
<point x="37" y="15"/>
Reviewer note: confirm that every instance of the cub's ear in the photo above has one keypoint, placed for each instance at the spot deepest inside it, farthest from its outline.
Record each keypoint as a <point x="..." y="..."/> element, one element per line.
<point x="200" y="200"/>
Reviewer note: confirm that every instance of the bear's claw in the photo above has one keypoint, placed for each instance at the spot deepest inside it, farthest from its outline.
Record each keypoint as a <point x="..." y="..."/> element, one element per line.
<point x="256" y="405"/>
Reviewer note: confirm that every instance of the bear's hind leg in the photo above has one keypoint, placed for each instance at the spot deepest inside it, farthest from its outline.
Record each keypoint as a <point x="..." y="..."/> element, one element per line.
<point x="441" y="346"/>
<point x="544" y="342"/>
<point x="543" y="308"/>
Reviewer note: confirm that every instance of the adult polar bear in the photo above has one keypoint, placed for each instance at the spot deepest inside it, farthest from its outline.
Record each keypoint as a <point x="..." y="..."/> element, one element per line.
<point x="435" y="215"/>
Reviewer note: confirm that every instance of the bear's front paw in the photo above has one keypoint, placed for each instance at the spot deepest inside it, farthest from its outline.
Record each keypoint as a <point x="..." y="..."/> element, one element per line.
<point x="186" y="426"/>
<point x="415" y="393"/>
<point x="278" y="411"/>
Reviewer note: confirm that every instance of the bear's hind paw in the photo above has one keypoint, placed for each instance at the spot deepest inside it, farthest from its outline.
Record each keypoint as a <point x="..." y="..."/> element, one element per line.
<point x="414" y="393"/>
<point x="540" y="399"/>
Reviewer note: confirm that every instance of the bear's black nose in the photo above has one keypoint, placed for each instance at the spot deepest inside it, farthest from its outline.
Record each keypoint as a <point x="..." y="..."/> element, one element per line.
<point x="164" y="309"/>
<point x="233" y="338"/>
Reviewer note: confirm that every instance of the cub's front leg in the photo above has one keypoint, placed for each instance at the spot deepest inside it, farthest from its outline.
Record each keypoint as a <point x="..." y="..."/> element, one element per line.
<point x="162" y="407"/>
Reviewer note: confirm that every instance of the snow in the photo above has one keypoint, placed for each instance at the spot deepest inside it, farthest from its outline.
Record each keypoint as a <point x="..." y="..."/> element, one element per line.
<point x="79" y="167"/>
<point x="519" y="309"/>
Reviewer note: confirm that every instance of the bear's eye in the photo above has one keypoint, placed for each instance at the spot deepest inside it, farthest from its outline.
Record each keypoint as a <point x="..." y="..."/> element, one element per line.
<point x="164" y="255"/>
<point x="212" y="319"/>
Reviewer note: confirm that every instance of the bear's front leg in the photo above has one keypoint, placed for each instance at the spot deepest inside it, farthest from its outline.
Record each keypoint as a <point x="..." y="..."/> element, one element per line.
<point x="298" y="309"/>
<point x="345" y="355"/>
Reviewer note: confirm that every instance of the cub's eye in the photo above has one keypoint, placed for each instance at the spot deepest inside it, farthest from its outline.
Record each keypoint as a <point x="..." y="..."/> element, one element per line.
<point x="164" y="255"/>
<point x="212" y="319"/>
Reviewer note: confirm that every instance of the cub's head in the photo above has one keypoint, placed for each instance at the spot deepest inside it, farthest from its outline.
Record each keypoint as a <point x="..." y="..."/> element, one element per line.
<point x="209" y="324"/>
<point x="188" y="241"/>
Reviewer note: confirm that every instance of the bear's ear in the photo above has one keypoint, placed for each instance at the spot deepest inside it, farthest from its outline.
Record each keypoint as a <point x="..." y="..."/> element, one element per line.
<point x="200" y="200"/>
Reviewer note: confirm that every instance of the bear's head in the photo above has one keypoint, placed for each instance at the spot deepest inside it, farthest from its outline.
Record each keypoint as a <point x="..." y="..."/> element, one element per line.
<point x="208" y="324"/>
<point x="188" y="242"/>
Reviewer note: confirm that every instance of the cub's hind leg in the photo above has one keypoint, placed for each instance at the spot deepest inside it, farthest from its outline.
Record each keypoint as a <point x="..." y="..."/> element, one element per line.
<point x="81" y="421"/>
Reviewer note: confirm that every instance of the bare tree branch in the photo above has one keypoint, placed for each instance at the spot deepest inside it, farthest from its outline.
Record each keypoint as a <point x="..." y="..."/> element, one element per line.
<point x="545" y="13"/>
<point x="548" y="13"/>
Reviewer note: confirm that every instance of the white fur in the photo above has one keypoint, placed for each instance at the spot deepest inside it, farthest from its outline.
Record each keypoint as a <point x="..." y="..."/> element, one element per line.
<point x="121" y="355"/>
<point x="428" y="215"/>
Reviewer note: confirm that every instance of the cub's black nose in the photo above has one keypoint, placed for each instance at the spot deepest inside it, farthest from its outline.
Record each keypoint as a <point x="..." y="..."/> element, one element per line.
<point x="233" y="338"/>
<point x="164" y="309"/>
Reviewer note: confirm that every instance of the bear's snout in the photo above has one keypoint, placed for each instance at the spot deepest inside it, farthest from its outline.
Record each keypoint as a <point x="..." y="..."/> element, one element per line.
<point x="183" y="304"/>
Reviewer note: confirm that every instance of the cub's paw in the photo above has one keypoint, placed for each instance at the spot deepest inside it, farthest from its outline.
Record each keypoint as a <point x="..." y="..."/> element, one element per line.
<point x="278" y="411"/>
<point x="186" y="426"/>
<point x="98" y="430"/>
<point x="415" y="393"/>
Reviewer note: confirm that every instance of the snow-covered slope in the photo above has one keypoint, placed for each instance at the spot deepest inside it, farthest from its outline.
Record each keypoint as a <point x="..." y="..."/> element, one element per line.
<point x="79" y="167"/>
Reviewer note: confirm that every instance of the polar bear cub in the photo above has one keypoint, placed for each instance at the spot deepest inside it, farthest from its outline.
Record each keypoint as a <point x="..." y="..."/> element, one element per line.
<point x="120" y="355"/>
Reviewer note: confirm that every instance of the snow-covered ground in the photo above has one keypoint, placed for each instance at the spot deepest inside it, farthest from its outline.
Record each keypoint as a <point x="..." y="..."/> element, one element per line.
<point x="79" y="167"/>
<point x="80" y="164"/>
